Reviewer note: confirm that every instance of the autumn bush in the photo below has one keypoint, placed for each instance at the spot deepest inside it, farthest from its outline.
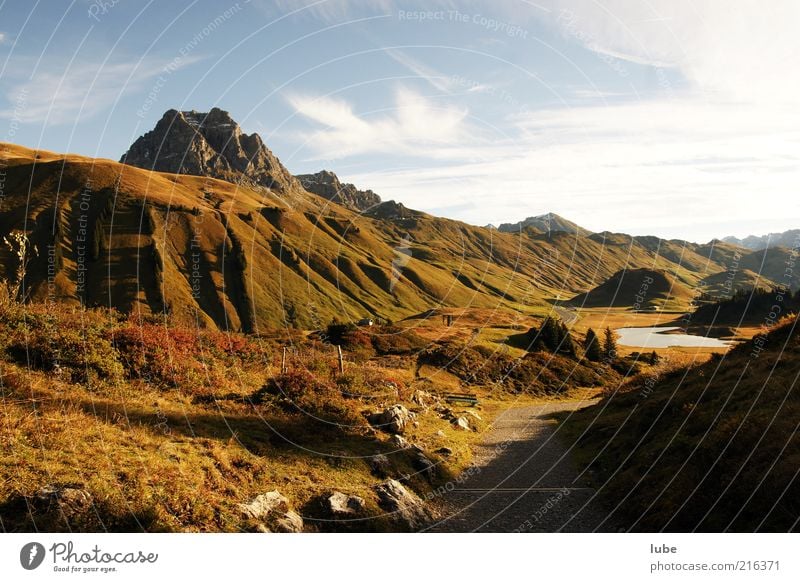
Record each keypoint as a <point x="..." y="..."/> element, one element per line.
<point x="74" y="346"/>
<point x="300" y="391"/>
<point x="391" y="340"/>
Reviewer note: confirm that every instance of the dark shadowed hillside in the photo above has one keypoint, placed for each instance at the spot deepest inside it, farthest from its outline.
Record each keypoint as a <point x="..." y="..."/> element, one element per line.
<point x="712" y="447"/>
<point x="637" y="289"/>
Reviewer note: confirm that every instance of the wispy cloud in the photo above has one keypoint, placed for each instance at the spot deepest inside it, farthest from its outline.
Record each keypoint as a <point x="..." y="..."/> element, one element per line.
<point x="437" y="79"/>
<point x="328" y="10"/>
<point x="413" y="121"/>
<point x="672" y="167"/>
<point x="59" y="92"/>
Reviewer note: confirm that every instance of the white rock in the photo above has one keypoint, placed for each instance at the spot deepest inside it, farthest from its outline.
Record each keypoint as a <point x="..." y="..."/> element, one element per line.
<point x="394" y="419"/>
<point x="264" y="506"/>
<point x="474" y="414"/>
<point x="340" y="504"/>
<point x="461" y="423"/>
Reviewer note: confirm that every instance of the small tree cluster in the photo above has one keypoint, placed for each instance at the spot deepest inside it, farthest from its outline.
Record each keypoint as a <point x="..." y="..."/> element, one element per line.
<point x="551" y="336"/>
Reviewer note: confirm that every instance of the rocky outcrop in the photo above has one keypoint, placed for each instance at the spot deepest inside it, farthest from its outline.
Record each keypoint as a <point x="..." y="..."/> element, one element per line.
<point x="327" y="185"/>
<point x="270" y="512"/>
<point x="461" y="423"/>
<point x="394" y="420"/>
<point x="404" y="506"/>
<point x="342" y="505"/>
<point x="391" y="210"/>
<point x="209" y="144"/>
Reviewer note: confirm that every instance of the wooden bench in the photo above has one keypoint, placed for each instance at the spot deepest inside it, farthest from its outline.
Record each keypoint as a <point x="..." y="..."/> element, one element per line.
<point x="470" y="399"/>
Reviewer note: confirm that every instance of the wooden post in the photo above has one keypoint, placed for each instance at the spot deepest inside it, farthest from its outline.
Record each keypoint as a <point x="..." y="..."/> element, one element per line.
<point x="283" y="361"/>
<point x="341" y="361"/>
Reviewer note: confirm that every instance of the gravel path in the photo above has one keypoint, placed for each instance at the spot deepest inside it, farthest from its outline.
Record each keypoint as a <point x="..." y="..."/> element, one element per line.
<point x="523" y="479"/>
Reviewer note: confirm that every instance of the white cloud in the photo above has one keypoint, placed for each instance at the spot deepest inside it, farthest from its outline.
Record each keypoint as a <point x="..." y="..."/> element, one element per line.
<point x="742" y="50"/>
<point x="673" y="167"/>
<point x="59" y="92"/>
<point x="413" y="122"/>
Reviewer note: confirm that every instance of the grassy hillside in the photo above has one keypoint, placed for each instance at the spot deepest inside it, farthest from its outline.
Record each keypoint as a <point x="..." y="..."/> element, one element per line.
<point x="637" y="289"/>
<point x="223" y="256"/>
<point x="756" y="306"/>
<point x="709" y="447"/>
<point x="170" y="428"/>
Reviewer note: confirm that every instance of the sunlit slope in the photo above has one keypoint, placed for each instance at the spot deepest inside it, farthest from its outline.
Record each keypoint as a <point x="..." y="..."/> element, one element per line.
<point x="235" y="257"/>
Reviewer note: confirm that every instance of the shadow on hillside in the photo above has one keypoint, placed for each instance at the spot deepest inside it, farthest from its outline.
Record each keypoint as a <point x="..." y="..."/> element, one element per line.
<point x="266" y="432"/>
<point x="259" y="432"/>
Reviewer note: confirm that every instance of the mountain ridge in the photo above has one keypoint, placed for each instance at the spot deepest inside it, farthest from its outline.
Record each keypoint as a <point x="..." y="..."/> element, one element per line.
<point x="327" y="185"/>
<point x="209" y="144"/>
<point x="215" y="231"/>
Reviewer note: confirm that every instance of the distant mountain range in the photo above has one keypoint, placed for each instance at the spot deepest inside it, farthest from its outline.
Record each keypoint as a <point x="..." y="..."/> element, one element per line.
<point x="788" y="239"/>
<point x="203" y="222"/>
<point x="543" y="224"/>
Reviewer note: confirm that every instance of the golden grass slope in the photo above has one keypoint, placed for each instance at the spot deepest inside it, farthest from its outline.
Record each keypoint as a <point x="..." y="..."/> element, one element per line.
<point x="232" y="257"/>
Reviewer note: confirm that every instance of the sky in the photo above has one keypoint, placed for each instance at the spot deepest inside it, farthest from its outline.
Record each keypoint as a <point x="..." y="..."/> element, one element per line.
<point x="676" y="119"/>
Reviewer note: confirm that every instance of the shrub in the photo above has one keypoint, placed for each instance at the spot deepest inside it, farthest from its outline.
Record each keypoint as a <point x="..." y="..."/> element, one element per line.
<point x="389" y="340"/>
<point x="301" y="391"/>
<point x="74" y="346"/>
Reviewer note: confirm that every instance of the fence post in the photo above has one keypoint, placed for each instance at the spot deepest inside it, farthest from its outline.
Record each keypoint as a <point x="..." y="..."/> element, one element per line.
<point x="341" y="360"/>
<point x="283" y="361"/>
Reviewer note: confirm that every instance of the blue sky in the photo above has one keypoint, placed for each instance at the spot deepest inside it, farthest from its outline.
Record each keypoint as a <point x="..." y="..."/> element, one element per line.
<point x="680" y="123"/>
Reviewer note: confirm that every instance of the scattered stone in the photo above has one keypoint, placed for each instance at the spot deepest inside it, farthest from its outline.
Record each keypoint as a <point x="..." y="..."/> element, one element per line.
<point x="474" y="414"/>
<point x="461" y="423"/>
<point x="440" y="433"/>
<point x="394" y="419"/>
<point x="264" y="505"/>
<point x="445" y="412"/>
<point x="423" y="398"/>
<point x="445" y="451"/>
<point x="272" y="512"/>
<point x="339" y="504"/>
<point x="424" y="465"/>
<point x="400" y="442"/>
<point x="404" y="505"/>
<point x="291" y="522"/>
<point x="69" y="501"/>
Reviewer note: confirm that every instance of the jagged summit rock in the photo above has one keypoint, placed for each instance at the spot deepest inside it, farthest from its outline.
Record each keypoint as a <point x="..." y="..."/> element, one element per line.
<point x="209" y="144"/>
<point x="328" y="185"/>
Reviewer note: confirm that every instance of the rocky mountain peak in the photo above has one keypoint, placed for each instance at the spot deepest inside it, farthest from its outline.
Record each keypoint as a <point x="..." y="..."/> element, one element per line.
<point x="327" y="184"/>
<point x="209" y="144"/>
<point x="545" y="223"/>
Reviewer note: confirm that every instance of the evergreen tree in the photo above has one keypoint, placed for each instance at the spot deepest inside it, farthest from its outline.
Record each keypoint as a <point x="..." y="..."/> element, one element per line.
<point x="565" y="344"/>
<point x="654" y="359"/>
<point x="591" y="346"/>
<point x="609" y="345"/>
